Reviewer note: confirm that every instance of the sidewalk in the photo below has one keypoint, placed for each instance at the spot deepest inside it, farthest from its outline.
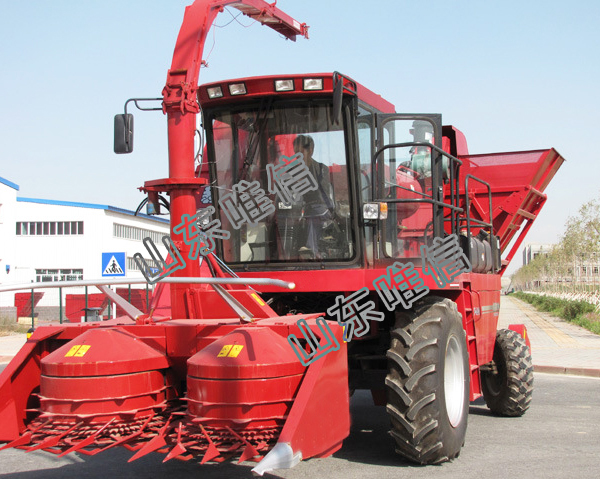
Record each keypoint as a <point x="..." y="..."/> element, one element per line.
<point x="10" y="345"/>
<point x="557" y="345"/>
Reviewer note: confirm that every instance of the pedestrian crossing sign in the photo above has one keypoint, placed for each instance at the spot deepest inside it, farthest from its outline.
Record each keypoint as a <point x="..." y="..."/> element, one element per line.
<point x="113" y="264"/>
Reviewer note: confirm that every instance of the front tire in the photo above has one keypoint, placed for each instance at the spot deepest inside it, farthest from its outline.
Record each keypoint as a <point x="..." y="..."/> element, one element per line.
<point x="428" y="382"/>
<point x="508" y="389"/>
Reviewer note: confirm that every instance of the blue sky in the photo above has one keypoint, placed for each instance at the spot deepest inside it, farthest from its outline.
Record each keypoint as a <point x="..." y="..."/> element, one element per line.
<point x="511" y="75"/>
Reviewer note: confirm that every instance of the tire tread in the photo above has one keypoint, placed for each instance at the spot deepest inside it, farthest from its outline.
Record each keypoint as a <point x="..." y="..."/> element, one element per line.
<point x="517" y="390"/>
<point x="413" y="381"/>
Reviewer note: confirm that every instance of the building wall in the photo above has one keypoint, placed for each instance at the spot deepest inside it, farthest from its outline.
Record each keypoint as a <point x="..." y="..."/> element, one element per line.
<point x="127" y="232"/>
<point x="61" y="257"/>
<point x="531" y="251"/>
<point x="8" y="201"/>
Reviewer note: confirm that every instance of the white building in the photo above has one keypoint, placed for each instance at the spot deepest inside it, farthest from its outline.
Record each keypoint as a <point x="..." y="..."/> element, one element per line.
<point x="47" y="240"/>
<point x="8" y="202"/>
<point x="532" y="251"/>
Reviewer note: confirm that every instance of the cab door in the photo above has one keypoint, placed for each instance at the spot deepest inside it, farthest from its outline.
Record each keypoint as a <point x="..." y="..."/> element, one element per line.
<point x="408" y="177"/>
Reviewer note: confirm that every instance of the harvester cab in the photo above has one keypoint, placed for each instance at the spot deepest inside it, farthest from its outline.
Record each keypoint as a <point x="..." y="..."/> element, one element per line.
<point x="314" y="200"/>
<point x="385" y="184"/>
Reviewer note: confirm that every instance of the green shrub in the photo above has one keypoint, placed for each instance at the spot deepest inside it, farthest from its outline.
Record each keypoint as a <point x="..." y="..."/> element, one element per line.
<point x="9" y="326"/>
<point x="589" y="321"/>
<point x="572" y="309"/>
<point x="578" y="312"/>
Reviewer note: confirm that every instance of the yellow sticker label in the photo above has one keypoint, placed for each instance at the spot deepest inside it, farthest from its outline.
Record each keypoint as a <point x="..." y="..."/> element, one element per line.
<point x="235" y="351"/>
<point x="224" y="351"/>
<point x="230" y="351"/>
<point x="72" y="351"/>
<point x="258" y="299"/>
<point x="82" y="350"/>
<point x="78" y="351"/>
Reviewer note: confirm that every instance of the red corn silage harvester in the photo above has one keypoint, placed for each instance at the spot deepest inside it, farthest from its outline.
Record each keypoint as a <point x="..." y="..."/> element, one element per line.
<point x="209" y="372"/>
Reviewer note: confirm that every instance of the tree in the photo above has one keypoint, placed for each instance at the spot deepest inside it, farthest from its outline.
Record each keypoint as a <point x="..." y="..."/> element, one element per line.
<point x="579" y="244"/>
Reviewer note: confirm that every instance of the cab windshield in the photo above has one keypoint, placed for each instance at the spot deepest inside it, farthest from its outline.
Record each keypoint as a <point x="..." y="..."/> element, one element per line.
<point x="280" y="184"/>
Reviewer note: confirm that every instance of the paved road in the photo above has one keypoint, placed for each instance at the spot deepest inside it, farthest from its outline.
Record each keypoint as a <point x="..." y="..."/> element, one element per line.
<point x="557" y="345"/>
<point x="10" y="345"/>
<point x="557" y="438"/>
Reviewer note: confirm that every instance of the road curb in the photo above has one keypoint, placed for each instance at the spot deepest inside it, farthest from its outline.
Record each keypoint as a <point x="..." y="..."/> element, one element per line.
<point x="589" y="372"/>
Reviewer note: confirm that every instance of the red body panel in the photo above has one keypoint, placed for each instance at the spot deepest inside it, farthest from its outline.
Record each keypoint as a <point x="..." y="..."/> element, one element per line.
<point x="522" y="330"/>
<point x="517" y="181"/>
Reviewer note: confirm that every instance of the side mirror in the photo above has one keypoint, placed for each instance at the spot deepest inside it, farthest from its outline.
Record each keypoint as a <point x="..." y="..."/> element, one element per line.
<point x="123" y="133"/>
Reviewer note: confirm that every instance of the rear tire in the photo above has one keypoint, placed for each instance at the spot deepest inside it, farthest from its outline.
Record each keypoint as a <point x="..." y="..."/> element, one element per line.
<point x="508" y="392"/>
<point x="428" y="382"/>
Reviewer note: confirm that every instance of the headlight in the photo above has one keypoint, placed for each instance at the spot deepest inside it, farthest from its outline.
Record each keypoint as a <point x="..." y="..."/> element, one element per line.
<point x="313" y="84"/>
<point x="284" y="85"/>
<point x="214" y="92"/>
<point x="237" y="89"/>
<point x="373" y="211"/>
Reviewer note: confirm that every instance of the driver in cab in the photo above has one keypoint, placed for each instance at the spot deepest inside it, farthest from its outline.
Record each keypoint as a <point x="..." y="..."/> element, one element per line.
<point x="318" y="205"/>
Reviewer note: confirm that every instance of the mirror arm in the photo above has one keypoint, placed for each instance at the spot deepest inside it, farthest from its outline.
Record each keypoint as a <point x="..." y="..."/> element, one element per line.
<point x="123" y="139"/>
<point x="135" y="101"/>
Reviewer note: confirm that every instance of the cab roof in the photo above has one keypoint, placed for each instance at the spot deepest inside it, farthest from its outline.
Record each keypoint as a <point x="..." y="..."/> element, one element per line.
<point x="296" y="86"/>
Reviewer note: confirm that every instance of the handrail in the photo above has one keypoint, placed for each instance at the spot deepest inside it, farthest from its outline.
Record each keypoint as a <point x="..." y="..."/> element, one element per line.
<point x="468" y="205"/>
<point x="482" y="223"/>
<point x="178" y="280"/>
<point x="436" y="199"/>
<point x="455" y="210"/>
<point x="404" y="145"/>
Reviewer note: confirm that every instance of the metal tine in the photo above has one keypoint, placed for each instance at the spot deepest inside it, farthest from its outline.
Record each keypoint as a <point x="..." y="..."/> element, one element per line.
<point x="178" y="450"/>
<point x="212" y="451"/>
<point x="25" y="438"/>
<point x="20" y="441"/>
<point x="87" y="441"/>
<point x="131" y="436"/>
<point x="249" y="451"/>
<point x="155" y="443"/>
<point x="54" y="440"/>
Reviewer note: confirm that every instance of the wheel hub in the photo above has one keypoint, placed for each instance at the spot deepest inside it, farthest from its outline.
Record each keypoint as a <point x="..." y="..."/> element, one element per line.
<point x="454" y="379"/>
